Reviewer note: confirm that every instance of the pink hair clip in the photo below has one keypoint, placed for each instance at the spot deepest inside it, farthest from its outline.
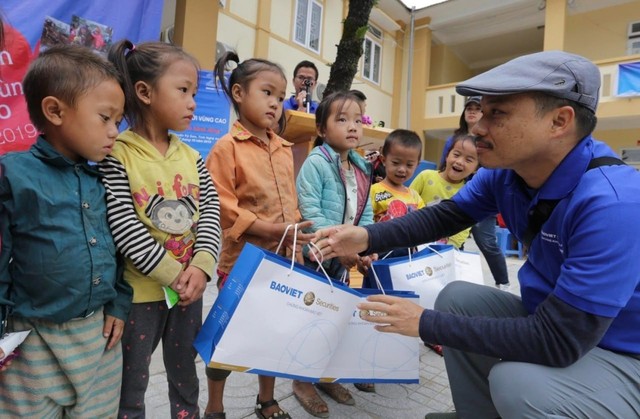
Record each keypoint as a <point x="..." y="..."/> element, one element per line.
<point x="133" y="48"/>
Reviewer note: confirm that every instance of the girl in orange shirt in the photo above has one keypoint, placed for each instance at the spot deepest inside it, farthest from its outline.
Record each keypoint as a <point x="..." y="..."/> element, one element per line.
<point x="252" y="169"/>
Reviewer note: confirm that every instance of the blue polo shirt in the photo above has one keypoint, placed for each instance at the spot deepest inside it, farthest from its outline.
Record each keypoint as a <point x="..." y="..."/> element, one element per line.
<point x="292" y="104"/>
<point x="588" y="252"/>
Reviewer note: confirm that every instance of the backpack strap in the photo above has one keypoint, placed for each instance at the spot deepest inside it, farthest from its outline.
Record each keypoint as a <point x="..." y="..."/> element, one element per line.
<point x="541" y="212"/>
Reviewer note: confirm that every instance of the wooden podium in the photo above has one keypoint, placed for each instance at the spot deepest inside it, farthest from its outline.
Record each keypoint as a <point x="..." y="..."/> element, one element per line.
<point x="301" y="131"/>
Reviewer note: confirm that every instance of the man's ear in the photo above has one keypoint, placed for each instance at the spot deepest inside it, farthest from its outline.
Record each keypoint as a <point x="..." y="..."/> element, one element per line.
<point x="53" y="109"/>
<point x="563" y="120"/>
<point x="143" y="91"/>
<point x="237" y="92"/>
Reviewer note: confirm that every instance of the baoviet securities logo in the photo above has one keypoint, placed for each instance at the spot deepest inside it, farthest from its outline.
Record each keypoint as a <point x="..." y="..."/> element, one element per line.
<point x="427" y="271"/>
<point x="309" y="298"/>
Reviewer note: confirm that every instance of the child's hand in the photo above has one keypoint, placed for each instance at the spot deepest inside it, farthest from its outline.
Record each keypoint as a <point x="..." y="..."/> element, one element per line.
<point x="194" y="282"/>
<point x="178" y="284"/>
<point x="112" y="330"/>
<point x="302" y="238"/>
<point x="4" y="363"/>
<point x="349" y="261"/>
<point x="364" y="263"/>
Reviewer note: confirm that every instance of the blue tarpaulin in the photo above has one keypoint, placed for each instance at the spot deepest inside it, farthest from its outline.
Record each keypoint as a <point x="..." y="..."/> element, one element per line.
<point x="629" y="79"/>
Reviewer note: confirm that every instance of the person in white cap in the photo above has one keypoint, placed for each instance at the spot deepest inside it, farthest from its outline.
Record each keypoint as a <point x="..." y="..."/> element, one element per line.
<point x="570" y="346"/>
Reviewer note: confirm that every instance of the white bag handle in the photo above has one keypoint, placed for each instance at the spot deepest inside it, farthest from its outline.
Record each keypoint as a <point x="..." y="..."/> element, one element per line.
<point x="375" y="276"/>
<point x="386" y="256"/>
<point x="409" y="252"/>
<point x="293" y="256"/>
<point x="434" y="250"/>
<point x="295" y="239"/>
<point x="326" y="275"/>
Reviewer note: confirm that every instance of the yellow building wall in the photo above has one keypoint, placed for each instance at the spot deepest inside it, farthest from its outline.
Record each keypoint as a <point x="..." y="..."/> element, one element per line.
<point x="387" y="75"/>
<point x="603" y="33"/>
<point x="282" y="17"/>
<point x="287" y="55"/>
<point x="238" y="34"/>
<point x="621" y="138"/>
<point x="246" y="9"/>
<point x="331" y="29"/>
<point x="446" y="67"/>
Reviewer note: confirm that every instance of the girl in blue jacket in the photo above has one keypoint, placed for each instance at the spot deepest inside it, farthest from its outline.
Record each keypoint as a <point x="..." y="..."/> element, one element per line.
<point x="333" y="188"/>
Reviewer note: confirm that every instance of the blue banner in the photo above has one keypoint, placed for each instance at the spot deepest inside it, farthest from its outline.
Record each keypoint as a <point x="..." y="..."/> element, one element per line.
<point x="211" y="118"/>
<point x="629" y="79"/>
<point x="37" y="24"/>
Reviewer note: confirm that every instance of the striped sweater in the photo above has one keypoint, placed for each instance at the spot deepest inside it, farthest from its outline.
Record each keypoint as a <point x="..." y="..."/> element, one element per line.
<point x="163" y="211"/>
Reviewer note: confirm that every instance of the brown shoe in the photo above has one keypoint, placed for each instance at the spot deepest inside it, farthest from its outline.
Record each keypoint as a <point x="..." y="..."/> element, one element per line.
<point x="309" y="399"/>
<point x="366" y="387"/>
<point x="337" y="392"/>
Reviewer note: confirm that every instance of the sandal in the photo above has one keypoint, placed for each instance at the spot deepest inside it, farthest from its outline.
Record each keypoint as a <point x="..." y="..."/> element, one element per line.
<point x="366" y="387"/>
<point x="313" y="405"/>
<point x="337" y="392"/>
<point x="215" y="415"/>
<point x="280" y="414"/>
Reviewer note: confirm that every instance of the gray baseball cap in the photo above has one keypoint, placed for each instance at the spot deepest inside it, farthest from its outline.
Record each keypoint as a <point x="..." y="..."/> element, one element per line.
<point x="557" y="73"/>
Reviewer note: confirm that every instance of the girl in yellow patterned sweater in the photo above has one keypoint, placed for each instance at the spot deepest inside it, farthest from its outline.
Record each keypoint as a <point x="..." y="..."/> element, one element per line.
<point x="434" y="186"/>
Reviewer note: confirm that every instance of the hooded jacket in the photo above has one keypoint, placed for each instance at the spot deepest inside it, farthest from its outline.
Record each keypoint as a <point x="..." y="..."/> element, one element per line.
<point x="163" y="211"/>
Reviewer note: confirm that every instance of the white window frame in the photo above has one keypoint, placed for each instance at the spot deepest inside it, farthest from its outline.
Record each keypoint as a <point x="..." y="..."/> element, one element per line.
<point x="368" y="64"/>
<point x="303" y="25"/>
<point x="633" y="38"/>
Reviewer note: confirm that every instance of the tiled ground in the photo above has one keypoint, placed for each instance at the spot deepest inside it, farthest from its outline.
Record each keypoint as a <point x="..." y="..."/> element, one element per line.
<point x="390" y="400"/>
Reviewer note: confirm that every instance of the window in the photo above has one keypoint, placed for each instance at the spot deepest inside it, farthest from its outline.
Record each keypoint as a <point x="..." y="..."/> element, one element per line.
<point x="377" y="33"/>
<point x="633" y="42"/>
<point x="308" y="24"/>
<point x="372" y="57"/>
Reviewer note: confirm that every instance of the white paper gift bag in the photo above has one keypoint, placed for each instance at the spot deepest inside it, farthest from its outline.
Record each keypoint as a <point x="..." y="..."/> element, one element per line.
<point x="427" y="271"/>
<point x="366" y="355"/>
<point x="273" y="318"/>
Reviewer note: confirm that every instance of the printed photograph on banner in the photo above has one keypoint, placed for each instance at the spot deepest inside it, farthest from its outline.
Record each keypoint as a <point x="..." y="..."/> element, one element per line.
<point x="54" y="32"/>
<point x="90" y="34"/>
<point x="35" y="25"/>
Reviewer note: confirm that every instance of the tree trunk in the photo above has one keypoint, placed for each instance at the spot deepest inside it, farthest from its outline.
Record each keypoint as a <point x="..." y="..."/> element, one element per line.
<point x="350" y="49"/>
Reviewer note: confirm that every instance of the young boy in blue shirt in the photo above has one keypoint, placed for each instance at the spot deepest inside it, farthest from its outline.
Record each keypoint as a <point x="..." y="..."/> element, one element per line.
<point x="58" y="271"/>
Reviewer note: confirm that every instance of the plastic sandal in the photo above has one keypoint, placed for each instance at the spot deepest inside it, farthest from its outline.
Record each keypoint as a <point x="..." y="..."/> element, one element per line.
<point x="280" y="414"/>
